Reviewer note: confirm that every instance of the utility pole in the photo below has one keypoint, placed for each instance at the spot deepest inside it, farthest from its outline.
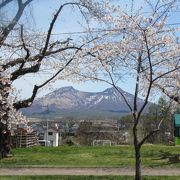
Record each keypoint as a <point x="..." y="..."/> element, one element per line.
<point x="47" y="112"/>
<point x="46" y="132"/>
<point x="60" y="138"/>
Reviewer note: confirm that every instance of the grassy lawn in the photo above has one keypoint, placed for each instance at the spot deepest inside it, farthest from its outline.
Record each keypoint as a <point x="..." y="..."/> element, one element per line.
<point x="87" y="177"/>
<point x="65" y="156"/>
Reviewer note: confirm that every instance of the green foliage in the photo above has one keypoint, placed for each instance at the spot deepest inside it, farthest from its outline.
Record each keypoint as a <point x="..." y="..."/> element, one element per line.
<point x="126" y="122"/>
<point x="69" y="142"/>
<point x="156" y="114"/>
<point x="99" y="156"/>
<point x="150" y="121"/>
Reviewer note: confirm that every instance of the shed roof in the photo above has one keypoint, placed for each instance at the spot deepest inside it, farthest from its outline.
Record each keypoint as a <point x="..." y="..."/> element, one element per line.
<point x="177" y="120"/>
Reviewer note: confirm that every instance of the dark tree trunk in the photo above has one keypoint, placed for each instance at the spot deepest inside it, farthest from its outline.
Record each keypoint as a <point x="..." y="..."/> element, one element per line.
<point x="137" y="148"/>
<point x="4" y="141"/>
<point x="138" y="163"/>
<point x="1" y="142"/>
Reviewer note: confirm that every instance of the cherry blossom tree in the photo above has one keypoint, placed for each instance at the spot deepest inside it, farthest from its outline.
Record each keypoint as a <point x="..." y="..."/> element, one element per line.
<point x="24" y="51"/>
<point x="139" y="47"/>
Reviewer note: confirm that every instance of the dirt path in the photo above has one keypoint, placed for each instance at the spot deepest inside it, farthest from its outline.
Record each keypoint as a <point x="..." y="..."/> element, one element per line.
<point x="87" y="171"/>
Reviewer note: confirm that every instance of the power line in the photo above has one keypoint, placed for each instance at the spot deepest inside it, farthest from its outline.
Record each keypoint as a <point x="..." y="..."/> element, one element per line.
<point x="84" y="32"/>
<point x="71" y="33"/>
<point x="173" y="24"/>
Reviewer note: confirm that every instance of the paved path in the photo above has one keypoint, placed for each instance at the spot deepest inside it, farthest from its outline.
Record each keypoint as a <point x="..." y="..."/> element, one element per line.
<point x="87" y="171"/>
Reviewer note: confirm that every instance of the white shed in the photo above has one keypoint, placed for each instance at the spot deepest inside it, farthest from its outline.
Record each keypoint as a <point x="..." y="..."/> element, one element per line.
<point x="52" y="136"/>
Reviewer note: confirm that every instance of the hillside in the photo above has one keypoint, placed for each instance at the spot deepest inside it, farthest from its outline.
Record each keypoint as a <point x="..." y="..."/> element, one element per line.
<point x="68" y="101"/>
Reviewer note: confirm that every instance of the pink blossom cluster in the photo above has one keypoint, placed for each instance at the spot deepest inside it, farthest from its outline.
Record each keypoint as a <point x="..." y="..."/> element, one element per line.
<point x="8" y="114"/>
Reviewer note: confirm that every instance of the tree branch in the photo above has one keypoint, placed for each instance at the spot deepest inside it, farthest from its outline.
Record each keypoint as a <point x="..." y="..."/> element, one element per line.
<point x="6" y="30"/>
<point x="42" y="55"/>
<point x="150" y="76"/>
<point x="35" y="57"/>
<point x="24" y="45"/>
<point x="139" y="61"/>
<point x="174" y="97"/>
<point x="166" y="73"/>
<point x="28" y="102"/>
<point x="4" y="3"/>
<point x="150" y="134"/>
<point x="23" y="71"/>
<point x="112" y="81"/>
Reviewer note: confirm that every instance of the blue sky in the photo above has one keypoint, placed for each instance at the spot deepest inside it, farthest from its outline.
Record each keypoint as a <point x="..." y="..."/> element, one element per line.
<point x="67" y="22"/>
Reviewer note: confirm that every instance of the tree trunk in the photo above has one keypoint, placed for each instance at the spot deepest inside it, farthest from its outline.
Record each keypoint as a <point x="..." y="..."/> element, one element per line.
<point x="4" y="141"/>
<point x="138" y="163"/>
<point x="137" y="149"/>
<point x="1" y="147"/>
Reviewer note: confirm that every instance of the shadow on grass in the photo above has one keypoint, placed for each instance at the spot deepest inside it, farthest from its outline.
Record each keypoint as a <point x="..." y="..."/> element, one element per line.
<point x="170" y="157"/>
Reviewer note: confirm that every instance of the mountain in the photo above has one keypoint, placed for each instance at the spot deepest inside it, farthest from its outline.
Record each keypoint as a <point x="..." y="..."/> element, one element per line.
<point x="68" y="100"/>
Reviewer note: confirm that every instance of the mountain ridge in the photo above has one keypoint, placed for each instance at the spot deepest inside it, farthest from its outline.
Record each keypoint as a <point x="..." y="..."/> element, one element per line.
<point x="70" y="99"/>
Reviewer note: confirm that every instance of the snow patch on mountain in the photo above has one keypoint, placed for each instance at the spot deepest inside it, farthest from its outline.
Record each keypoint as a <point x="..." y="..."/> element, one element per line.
<point x="68" y="98"/>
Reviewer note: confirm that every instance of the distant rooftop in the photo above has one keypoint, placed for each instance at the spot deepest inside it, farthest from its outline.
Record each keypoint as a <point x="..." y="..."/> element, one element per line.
<point x="177" y="120"/>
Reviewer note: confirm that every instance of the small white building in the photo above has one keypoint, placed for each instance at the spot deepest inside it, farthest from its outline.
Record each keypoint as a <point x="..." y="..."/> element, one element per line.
<point x="52" y="137"/>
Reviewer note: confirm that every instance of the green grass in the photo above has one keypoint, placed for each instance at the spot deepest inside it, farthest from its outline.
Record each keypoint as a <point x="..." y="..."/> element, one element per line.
<point x="87" y="177"/>
<point x="65" y="156"/>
